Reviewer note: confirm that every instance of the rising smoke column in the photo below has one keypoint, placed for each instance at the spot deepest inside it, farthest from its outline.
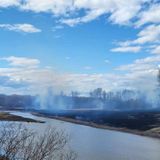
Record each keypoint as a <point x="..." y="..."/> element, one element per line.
<point x="49" y="100"/>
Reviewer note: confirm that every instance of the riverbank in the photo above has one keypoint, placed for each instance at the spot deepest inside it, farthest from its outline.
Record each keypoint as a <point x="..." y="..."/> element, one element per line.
<point x="6" y="116"/>
<point x="154" y="132"/>
<point x="151" y="132"/>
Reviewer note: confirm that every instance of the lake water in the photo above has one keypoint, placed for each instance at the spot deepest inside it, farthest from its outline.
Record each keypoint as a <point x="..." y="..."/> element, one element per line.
<point x="99" y="144"/>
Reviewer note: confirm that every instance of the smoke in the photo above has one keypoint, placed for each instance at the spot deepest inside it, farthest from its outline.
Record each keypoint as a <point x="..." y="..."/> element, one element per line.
<point x="49" y="100"/>
<point x="121" y="100"/>
<point x="136" y="98"/>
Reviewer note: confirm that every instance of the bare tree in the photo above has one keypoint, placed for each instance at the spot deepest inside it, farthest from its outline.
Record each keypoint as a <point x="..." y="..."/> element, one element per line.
<point x="96" y="93"/>
<point x="74" y="94"/>
<point x="19" y="143"/>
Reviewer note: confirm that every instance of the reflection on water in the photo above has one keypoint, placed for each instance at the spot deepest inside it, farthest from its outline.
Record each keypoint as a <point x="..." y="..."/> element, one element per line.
<point x="98" y="144"/>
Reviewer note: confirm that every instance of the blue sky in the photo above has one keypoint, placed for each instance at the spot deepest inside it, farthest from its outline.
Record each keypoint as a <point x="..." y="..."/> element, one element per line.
<point x="51" y="46"/>
<point x="78" y="45"/>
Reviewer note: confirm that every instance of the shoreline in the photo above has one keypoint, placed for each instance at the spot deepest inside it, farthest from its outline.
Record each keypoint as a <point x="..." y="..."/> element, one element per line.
<point x="147" y="133"/>
<point x="6" y="116"/>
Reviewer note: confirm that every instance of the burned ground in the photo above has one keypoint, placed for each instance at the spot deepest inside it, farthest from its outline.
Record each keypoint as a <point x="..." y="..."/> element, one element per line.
<point x="132" y="120"/>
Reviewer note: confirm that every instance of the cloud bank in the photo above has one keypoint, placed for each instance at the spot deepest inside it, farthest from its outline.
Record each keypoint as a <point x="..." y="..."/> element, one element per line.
<point x="117" y="11"/>
<point x="29" y="78"/>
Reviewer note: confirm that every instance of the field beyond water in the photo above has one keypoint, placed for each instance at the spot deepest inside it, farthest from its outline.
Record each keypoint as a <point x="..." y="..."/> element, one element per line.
<point x="145" y="123"/>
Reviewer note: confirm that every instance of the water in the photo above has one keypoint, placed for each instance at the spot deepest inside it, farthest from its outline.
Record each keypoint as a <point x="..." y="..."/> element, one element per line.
<point x="98" y="144"/>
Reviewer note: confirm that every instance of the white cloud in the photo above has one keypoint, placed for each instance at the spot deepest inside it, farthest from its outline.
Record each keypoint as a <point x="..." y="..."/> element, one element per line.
<point x="119" y="11"/>
<point x="149" y="16"/>
<point x="124" y="10"/>
<point x="156" y="50"/>
<point x="91" y="15"/>
<point x="21" y="61"/>
<point x="35" y="80"/>
<point x="26" y="28"/>
<point x="57" y="7"/>
<point x="149" y="35"/>
<point x="8" y="3"/>
<point x="141" y="72"/>
<point x="131" y="49"/>
<point x="144" y="64"/>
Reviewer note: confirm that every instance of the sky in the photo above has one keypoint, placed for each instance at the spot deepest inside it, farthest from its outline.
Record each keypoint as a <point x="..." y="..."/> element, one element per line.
<point x="78" y="45"/>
